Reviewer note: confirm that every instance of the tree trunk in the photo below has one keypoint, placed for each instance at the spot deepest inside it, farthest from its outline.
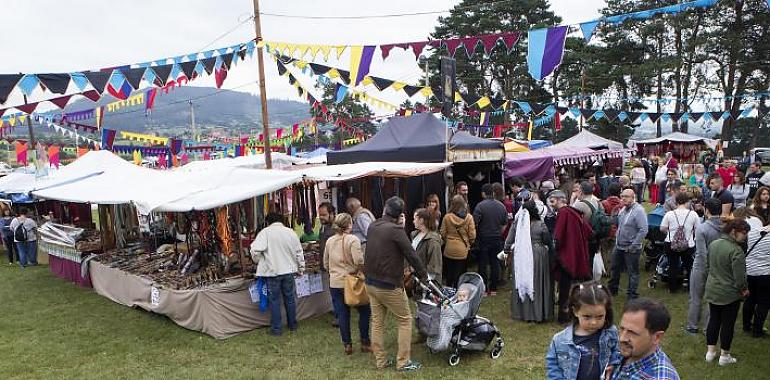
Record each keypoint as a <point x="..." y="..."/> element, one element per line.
<point x="732" y="69"/>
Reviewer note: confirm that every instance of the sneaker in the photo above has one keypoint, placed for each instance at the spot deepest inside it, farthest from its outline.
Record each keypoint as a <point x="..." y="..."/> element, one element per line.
<point x="710" y="356"/>
<point x="692" y="331"/>
<point x="410" y="366"/>
<point x="727" y="360"/>
<point x="390" y="362"/>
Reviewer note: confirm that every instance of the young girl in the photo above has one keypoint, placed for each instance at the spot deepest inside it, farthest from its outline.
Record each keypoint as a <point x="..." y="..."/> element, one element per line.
<point x="588" y="348"/>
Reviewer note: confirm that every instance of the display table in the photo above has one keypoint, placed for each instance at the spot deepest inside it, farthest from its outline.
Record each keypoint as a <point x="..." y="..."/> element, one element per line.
<point x="222" y="310"/>
<point x="64" y="262"/>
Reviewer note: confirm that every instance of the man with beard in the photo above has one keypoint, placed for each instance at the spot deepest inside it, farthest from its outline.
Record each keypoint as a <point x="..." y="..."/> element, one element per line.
<point x="326" y="217"/>
<point x="641" y="329"/>
<point x="752" y="177"/>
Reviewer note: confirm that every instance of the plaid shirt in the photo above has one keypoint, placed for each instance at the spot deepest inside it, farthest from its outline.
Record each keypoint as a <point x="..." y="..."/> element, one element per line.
<point x="656" y="366"/>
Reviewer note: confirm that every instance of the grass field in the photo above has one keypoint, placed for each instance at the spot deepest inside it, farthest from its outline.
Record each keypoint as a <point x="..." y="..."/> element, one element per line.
<point x="51" y="329"/>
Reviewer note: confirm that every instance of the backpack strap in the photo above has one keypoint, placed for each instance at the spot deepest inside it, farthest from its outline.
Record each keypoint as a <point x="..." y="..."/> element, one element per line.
<point x="762" y="236"/>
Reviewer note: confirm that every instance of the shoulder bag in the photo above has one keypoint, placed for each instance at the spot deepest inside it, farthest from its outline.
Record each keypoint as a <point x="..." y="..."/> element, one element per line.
<point x="355" y="289"/>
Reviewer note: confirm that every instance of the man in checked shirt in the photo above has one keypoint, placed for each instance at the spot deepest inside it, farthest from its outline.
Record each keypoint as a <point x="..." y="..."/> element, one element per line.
<point x="642" y="328"/>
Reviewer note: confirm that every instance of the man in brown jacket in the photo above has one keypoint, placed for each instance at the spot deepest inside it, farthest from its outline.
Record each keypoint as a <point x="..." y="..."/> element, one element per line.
<point x="388" y="247"/>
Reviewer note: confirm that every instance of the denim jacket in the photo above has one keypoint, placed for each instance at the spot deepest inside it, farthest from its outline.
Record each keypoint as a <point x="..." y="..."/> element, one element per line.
<point x="563" y="358"/>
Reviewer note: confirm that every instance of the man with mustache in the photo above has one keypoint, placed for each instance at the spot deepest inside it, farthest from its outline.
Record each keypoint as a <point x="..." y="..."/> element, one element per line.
<point x="642" y="328"/>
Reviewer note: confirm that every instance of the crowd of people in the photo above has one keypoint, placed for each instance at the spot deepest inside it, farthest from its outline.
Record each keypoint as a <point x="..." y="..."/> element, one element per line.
<point x="554" y="241"/>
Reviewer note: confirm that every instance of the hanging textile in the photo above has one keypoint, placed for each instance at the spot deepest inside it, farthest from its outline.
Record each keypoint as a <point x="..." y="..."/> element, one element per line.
<point x="53" y="156"/>
<point x="223" y="231"/>
<point x="545" y="50"/>
<point x="21" y="153"/>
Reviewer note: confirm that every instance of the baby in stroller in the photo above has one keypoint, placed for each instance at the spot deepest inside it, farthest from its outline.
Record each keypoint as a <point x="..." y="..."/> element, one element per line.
<point x="453" y="322"/>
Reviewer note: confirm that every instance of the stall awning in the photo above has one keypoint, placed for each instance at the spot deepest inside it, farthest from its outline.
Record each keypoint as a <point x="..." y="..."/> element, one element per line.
<point x="363" y="169"/>
<point x="676" y="137"/>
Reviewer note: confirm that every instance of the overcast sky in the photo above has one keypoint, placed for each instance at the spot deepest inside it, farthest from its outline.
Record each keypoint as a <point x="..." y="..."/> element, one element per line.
<point x="76" y="35"/>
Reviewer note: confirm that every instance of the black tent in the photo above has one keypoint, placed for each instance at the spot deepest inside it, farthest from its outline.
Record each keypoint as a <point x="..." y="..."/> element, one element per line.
<point x="416" y="138"/>
<point x="465" y="140"/>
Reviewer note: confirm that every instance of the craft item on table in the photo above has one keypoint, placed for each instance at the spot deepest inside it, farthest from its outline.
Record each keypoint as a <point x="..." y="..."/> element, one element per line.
<point x="223" y="231"/>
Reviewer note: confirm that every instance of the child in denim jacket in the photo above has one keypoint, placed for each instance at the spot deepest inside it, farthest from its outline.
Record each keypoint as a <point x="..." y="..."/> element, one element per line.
<point x="588" y="348"/>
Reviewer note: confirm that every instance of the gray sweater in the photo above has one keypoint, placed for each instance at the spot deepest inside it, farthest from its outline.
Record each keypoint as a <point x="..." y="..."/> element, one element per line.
<point x="706" y="233"/>
<point x="632" y="227"/>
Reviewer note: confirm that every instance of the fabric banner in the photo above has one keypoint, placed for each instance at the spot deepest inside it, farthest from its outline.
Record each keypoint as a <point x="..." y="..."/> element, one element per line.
<point x="21" y="153"/>
<point x="545" y="50"/>
<point x="108" y="138"/>
<point x="130" y="101"/>
<point x="53" y="156"/>
<point x="360" y="60"/>
<point x="143" y="137"/>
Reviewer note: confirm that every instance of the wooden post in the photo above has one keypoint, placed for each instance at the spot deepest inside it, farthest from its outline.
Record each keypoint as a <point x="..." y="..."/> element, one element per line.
<point x="262" y="93"/>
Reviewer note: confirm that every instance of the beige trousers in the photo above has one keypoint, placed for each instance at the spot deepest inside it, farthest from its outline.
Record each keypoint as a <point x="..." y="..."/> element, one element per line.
<point x="394" y="301"/>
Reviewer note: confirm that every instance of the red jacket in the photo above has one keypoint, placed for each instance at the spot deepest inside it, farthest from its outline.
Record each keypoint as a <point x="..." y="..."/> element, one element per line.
<point x="727" y="175"/>
<point x="571" y="234"/>
<point x="611" y="206"/>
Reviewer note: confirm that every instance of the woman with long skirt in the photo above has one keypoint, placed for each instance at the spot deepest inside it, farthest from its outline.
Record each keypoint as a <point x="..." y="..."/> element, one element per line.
<point x="532" y="296"/>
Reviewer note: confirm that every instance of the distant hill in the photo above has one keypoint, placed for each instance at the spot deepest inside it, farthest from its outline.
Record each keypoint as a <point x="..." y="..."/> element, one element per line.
<point x="213" y="108"/>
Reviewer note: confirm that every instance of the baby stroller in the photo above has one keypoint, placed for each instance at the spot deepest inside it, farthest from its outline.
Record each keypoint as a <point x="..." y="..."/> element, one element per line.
<point x="452" y="323"/>
<point x="655" y="257"/>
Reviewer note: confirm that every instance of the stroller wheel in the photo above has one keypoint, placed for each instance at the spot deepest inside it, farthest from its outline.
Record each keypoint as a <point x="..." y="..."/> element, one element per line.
<point x="454" y="360"/>
<point x="496" y="351"/>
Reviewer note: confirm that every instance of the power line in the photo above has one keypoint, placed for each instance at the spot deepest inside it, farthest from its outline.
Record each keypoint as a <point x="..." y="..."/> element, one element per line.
<point x="389" y="15"/>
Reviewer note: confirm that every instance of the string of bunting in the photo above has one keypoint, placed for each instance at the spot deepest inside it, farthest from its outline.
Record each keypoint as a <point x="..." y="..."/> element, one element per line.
<point x="501" y="106"/>
<point x="120" y="81"/>
<point x="545" y="47"/>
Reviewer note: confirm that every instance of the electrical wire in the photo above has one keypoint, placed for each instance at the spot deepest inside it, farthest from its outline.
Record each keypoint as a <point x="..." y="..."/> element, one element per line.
<point x="390" y="15"/>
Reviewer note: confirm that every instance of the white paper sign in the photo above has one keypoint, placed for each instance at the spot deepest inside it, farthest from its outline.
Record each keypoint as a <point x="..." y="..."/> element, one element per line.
<point x="154" y="296"/>
<point x="254" y="292"/>
<point x="316" y="283"/>
<point x="302" y="284"/>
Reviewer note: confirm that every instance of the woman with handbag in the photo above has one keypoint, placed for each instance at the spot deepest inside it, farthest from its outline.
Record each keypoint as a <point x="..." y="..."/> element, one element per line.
<point x="344" y="260"/>
<point x="459" y="233"/>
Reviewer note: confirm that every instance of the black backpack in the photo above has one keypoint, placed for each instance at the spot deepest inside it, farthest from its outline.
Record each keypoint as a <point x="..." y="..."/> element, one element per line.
<point x="20" y="234"/>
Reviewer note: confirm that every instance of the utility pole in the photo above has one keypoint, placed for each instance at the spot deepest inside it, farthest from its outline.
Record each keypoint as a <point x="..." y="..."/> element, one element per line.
<point x="192" y="120"/>
<point x="32" y="141"/>
<point x="262" y="93"/>
<point x="582" y="95"/>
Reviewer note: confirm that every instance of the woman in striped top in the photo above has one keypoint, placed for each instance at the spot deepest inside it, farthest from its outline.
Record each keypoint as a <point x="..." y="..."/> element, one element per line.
<point x="758" y="276"/>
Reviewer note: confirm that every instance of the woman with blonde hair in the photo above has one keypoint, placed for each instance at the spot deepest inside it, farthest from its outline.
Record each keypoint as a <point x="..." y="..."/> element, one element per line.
<point x="343" y="256"/>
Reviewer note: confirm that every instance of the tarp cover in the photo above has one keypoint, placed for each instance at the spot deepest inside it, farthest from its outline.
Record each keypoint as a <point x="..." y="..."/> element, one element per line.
<point x="464" y="140"/>
<point x="347" y="172"/>
<point x="255" y="161"/>
<point x="222" y="311"/>
<point x="586" y="139"/>
<point x="675" y="137"/>
<point x="416" y="138"/>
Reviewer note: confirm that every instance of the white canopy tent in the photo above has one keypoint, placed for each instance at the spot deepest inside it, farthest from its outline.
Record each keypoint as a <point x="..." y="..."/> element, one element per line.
<point x="256" y="161"/>
<point x="587" y="139"/>
<point x="676" y="137"/>
<point x="91" y="164"/>
<point x="119" y="181"/>
<point x="347" y="172"/>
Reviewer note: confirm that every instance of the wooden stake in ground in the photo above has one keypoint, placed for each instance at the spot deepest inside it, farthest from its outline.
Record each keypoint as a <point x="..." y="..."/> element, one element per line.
<point x="262" y="93"/>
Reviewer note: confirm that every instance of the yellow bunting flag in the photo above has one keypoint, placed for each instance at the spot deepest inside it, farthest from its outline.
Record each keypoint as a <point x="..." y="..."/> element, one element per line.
<point x="341" y="49"/>
<point x="531" y="127"/>
<point x="483" y="102"/>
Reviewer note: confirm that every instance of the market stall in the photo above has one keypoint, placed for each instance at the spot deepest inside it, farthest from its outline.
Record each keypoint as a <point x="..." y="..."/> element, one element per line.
<point x="607" y="163"/>
<point x="685" y="148"/>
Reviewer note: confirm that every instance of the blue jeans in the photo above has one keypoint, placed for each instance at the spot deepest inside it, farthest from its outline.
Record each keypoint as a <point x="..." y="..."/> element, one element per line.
<point x="343" y="317"/>
<point x="27" y="252"/>
<point x="630" y="261"/>
<point x="278" y="286"/>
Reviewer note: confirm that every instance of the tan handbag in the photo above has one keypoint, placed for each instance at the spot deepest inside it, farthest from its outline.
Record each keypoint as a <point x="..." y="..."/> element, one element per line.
<point x="355" y="289"/>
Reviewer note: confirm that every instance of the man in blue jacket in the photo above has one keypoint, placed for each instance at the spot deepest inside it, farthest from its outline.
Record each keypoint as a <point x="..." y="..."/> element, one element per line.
<point x="632" y="228"/>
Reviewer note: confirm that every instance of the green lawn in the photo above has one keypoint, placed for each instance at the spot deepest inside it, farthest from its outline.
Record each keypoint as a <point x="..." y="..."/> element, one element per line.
<point x="52" y="329"/>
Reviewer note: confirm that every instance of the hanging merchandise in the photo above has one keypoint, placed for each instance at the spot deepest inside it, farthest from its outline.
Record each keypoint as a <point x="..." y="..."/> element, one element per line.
<point x="21" y="152"/>
<point x="53" y="155"/>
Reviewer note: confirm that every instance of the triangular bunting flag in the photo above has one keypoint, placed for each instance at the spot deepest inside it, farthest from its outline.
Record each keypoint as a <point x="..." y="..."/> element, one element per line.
<point x="189" y="67"/>
<point x="451" y="45"/>
<point x="610" y="115"/>
<point x="208" y="64"/>
<point x="695" y="116"/>
<point x="587" y="113"/>
<point x="56" y="83"/>
<point x="92" y="95"/>
<point x="588" y="29"/>
<point x="62" y="101"/>
<point x="98" y="79"/>
<point x="227" y="60"/>
<point x="27" y="108"/>
<point x="162" y="72"/>
<point x="538" y="108"/>
<point x="622" y="116"/>
<point x="28" y="84"/>
<point x="7" y="84"/>
<point x="411" y="90"/>
<point x="134" y="76"/>
<point x="381" y="83"/>
<point x="574" y="111"/>
<point x="80" y="80"/>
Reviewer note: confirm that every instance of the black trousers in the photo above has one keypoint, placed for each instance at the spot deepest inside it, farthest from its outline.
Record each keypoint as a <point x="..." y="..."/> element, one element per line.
<point x="453" y="269"/>
<point x="489" y="247"/>
<point x="722" y="324"/>
<point x="565" y="283"/>
<point x="757" y="305"/>
<point x="10" y="248"/>
<point x="679" y="263"/>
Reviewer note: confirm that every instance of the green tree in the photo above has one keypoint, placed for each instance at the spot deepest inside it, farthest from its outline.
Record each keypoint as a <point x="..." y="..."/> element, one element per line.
<point x="350" y="111"/>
